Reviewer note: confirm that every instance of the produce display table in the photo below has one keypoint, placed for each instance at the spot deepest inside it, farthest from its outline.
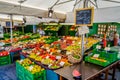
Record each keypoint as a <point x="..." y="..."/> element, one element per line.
<point x="91" y="71"/>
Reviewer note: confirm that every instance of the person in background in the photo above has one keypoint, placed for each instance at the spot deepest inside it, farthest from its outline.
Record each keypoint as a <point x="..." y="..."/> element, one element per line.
<point x="104" y="40"/>
<point x="41" y="32"/>
<point x="77" y="33"/>
<point x="111" y="37"/>
<point x="116" y="38"/>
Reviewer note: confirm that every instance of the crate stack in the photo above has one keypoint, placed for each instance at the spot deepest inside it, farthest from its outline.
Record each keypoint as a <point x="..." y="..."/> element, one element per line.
<point x="4" y="58"/>
<point x="25" y="71"/>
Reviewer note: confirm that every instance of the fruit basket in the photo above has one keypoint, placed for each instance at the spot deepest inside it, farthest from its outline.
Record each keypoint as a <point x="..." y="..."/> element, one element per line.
<point x="74" y="58"/>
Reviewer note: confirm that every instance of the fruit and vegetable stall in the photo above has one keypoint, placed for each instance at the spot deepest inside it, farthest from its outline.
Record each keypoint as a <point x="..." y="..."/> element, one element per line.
<point x="41" y="54"/>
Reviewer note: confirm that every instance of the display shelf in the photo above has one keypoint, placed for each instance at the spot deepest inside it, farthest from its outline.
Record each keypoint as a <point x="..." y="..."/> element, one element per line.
<point x="102" y="28"/>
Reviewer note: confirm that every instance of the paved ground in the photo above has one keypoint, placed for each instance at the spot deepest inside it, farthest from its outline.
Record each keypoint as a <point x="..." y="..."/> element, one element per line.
<point x="8" y="72"/>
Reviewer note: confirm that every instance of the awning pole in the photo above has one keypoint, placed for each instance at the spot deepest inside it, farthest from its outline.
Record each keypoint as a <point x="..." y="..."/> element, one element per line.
<point x="11" y="26"/>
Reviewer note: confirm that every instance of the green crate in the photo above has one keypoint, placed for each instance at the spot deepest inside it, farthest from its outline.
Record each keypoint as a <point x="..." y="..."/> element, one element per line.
<point x="88" y="59"/>
<point x="3" y="63"/>
<point x="38" y="76"/>
<point x="110" y="56"/>
<point x="23" y="74"/>
<point x="20" y="71"/>
<point x="4" y="60"/>
<point x="72" y="33"/>
<point x="3" y="57"/>
<point x="94" y="45"/>
<point x="20" y="76"/>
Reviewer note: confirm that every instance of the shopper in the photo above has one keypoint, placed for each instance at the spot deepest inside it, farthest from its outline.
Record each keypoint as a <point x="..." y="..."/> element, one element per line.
<point x="41" y="32"/>
<point x="111" y="38"/>
<point x="104" y="40"/>
<point x="116" y="38"/>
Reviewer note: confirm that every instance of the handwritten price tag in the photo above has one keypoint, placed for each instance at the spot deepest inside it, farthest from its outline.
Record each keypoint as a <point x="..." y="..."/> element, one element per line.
<point x="96" y="55"/>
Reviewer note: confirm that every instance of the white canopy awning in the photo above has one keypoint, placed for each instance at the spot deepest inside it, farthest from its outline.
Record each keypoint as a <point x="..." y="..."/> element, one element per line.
<point x="40" y="7"/>
<point x="43" y="5"/>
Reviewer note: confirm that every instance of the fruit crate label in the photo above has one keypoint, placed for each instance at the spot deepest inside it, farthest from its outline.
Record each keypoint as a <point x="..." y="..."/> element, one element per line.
<point x="49" y="65"/>
<point x="38" y="53"/>
<point x="96" y="55"/>
<point x="21" y="61"/>
<point x="47" y="57"/>
<point x="30" y="68"/>
<point x="58" y="57"/>
<point x="62" y="63"/>
<point x="58" y="51"/>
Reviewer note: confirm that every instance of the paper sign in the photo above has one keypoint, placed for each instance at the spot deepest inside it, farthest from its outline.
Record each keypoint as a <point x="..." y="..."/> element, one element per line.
<point x="107" y="48"/>
<point x="48" y="50"/>
<point x="58" y="57"/>
<point x="68" y="53"/>
<point x="62" y="63"/>
<point x="58" y="51"/>
<point x="21" y="61"/>
<point x="83" y="30"/>
<point x="50" y="65"/>
<point x="98" y="47"/>
<point x="47" y="57"/>
<point x="38" y="53"/>
<point x="30" y="68"/>
<point x="96" y="55"/>
<point x="51" y="53"/>
<point x="73" y="42"/>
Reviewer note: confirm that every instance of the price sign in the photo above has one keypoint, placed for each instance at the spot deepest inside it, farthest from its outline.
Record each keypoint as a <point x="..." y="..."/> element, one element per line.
<point x="96" y="55"/>
<point x="84" y="17"/>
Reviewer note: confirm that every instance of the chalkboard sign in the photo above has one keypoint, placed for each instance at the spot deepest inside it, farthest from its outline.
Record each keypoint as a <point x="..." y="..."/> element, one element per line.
<point x="84" y="17"/>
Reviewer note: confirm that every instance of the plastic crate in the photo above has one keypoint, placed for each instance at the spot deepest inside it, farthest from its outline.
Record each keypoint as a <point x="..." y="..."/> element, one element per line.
<point x="20" y="71"/>
<point x="4" y="60"/>
<point x="37" y="76"/>
<point x="14" y="53"/>
<point x="88" y="59"/>
<point x="72" y="33"/>
<point x="110" y="56"/>
<point x="22" y="57"/>
<point x="23" y="74"/>
<point x="3" y="57"/>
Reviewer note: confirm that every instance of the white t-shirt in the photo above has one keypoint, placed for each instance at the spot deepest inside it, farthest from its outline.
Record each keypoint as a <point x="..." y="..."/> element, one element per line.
<point x="41" y="32"/>
<point x="117" y="36"/>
